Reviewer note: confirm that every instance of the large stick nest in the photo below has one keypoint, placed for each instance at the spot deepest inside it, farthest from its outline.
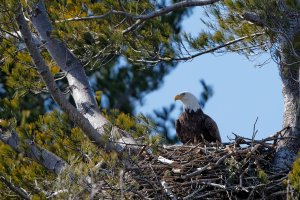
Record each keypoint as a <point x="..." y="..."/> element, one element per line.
<point x="241" y="169"/>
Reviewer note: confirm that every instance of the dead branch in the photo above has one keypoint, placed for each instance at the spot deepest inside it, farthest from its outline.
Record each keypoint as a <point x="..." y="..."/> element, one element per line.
<point x="153" y="14"/>
<point x="19" y="191"/>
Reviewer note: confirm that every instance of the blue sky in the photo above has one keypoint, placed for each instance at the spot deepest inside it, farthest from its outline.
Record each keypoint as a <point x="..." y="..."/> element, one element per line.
<point x="242" y="91"/>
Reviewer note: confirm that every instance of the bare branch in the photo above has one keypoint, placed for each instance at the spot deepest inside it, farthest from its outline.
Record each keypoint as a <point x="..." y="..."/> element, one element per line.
<point x="44" y="157"/>
<point x="169" y="193"/>
<point x="219" y="47"/>
<point x="133" y="26"/>
<point x="176" y="6"/>
<point x="160" y="12"/>
<point x="19" y="191"/>
<point x="208" y="166"/>
<point x="190" y="57"/>
<point x="254" y="129"/>
<point x="89" y="17"/>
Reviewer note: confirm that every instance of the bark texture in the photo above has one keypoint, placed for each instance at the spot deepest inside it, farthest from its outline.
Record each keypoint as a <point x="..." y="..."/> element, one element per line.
<point x="57" y="95"/>
<point x="70" y="65"/>
<point x="44" y="157"/>
<point x="87" y="115"/>
<point x="288" y="148"/>
<point x="286" y="30"/>
<point x="289" y="72"/>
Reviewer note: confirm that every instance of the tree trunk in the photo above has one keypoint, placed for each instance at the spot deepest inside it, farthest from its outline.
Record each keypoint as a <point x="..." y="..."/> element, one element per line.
<point x="289" y="72"/>
<point x="288" y="148"/>
<point x="78" y="82"/>
<point x="86" y="114"/>
<point x="287" y="31"/>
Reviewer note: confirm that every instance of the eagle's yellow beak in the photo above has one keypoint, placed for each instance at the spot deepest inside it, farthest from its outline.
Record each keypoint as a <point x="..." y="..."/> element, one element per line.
<point x="177" y="97"/>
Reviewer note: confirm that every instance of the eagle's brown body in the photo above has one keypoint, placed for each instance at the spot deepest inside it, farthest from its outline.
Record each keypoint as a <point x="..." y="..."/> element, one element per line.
<point x="195" y="127"/>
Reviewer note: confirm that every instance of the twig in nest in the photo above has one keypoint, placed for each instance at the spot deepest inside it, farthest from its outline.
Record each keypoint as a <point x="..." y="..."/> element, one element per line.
<point x="202" y="169"/>
<point x="184" y="172"/>
<point x="190" y="196"/>
<point x="197" y="172"/>
<point x="168" y="191"/>
<point x="254" y="131"/>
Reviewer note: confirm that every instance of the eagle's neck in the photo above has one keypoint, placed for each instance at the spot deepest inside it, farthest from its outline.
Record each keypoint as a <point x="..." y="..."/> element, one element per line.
<point x="192" y="106"/>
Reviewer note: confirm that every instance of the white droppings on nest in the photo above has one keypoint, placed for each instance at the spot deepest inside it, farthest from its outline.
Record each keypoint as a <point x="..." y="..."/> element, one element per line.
<point x="165" y="160"/>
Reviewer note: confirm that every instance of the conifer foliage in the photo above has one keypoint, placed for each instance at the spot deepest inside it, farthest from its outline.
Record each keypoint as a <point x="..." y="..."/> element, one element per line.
<point x="72" y="72"/>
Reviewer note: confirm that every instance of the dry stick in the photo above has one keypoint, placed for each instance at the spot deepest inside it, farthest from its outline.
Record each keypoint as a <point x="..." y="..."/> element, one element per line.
<point x="41" y="155"/>
<point x="278" y="193"/>
<point x="285" y="129"/>
<point x="214" y="185"/>
<point x="211" y="183"/>
<point x="121" y="183"/>
<point x="189" y="147"/>
<point x="209" y="193"/>
<point x="200" y="180"/>
<point x="190" y="196"/>
<point x="271" y="138"/>
<point x="197" y="172"/>
<point x="160" y="12"/>
<point x="254" y="131"/>
<point x="168" y="192"/>
<point x="15" y="189"/>
<point x="155" y="175"/>
<point x="147" y="181"/>
<point x="241" y="177"/>
<point x="139" y="194"/>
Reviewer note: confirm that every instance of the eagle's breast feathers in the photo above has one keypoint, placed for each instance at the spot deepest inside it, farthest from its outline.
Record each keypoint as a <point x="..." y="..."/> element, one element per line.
<point x="193" y="126"/>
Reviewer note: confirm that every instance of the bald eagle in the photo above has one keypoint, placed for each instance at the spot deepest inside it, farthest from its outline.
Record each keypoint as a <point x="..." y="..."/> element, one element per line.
<point x="193" y="126"/>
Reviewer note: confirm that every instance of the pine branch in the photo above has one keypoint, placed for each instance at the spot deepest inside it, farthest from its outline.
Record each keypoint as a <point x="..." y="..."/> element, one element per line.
<point x="160" y="12"/>
<point x="190" y="57"/>
<point x="218" y="47"/>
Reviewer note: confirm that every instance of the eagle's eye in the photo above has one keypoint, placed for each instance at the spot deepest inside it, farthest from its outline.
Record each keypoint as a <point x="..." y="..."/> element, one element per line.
<point x="182" y="94"/>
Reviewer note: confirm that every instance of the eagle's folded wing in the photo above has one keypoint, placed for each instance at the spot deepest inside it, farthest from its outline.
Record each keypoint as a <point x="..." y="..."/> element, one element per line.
<point x="212" y="127"/>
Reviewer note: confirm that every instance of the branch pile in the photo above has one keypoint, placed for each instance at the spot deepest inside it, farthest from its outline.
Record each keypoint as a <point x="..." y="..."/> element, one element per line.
<point x="241" y="169"/>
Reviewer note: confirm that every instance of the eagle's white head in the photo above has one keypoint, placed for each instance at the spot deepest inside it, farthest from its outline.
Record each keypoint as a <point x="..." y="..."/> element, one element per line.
<point x="189" y="101"/>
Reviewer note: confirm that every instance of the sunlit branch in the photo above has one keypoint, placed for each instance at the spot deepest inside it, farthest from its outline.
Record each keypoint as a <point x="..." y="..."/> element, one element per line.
<point x="46" y="75"/>
<point x="218" y="47"/>
<point x="192" y="56"/>
<point x="160" y="12"/>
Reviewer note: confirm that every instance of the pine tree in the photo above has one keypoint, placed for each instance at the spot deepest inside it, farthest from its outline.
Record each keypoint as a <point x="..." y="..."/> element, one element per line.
<point x="249" y="28"/>
<point x="33" y="128"/>
<point x="56" y="135"/>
